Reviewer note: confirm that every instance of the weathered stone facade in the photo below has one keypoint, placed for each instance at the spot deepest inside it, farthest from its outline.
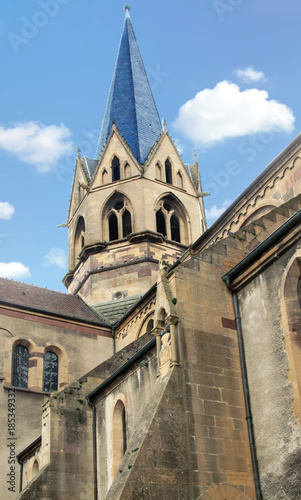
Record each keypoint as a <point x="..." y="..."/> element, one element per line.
<point x="177" y="348"/>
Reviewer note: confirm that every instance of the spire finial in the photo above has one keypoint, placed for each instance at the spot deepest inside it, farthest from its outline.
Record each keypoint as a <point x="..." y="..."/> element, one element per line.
<point x="127" y="9"/>
<point x="195" y="157"/>
<point x="78" y="151"/>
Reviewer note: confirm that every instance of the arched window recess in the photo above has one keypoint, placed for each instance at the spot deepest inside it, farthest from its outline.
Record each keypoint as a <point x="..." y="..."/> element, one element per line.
<point x="115" y="169"/>
<point x="20" y="366"/>
<point x="168" y="171"/>
<point x="117" y="218"/>
<point x="79" y="238"/>
<point x="171" y="220"/>
<point x="50" y="371"/>
<point x="119" y="435"/>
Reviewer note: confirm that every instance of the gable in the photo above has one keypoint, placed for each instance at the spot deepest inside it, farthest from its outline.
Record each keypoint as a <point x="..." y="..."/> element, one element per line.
<point x="116" y="147"/>
<point x="156" y="167"/>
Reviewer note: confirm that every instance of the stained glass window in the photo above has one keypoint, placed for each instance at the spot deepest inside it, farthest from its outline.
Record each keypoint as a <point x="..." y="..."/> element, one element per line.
<point x="20" y="366"/>
<point x="50" y="371"/>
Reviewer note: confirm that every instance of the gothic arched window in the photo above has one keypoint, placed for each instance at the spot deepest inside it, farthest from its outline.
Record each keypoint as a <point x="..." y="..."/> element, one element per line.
<point x="113" y="226"/>
<point x="115" y="169"/>
<point x="20" y="366"/>
<point x="161" y="225"/>
<point x="117" y="218"/>
<point x="180" y="182"/>
<point x="126" y="223"/>
<point x="171" y="219"/>
<point x="79" y="239"/>
<point x="50" y="371"/>
<point x="104" y="177"/>
<point x="175" y="228"/>
<point x="158" y="172"/>
<point x="127" y="171"/>
<point x="168" y="172"/>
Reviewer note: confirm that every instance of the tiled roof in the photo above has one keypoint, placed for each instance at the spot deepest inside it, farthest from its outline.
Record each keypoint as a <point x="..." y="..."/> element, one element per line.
<point x="131" y="104"/>
<point x="47" y="301"/>
<point x="90" y="165"/>
<point x="114" y="310"/>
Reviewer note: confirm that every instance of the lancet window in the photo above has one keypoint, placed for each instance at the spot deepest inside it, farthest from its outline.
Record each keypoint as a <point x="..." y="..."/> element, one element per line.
<point x="117" y="218"/>
<point x="79" y="239"/>
<point x="171" y="221"/>
<point x="20" y="366"/>
<point x="168" y="172"/>
<point x="115" y="169"/>
<point x="50" y="372"/>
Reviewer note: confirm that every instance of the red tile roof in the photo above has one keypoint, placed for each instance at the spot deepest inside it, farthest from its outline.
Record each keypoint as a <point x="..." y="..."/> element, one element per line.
<point x="38" y="299"/>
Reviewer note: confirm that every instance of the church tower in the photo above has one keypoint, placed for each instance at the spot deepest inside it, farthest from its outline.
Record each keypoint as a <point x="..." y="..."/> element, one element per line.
<point x="136" y="202"/>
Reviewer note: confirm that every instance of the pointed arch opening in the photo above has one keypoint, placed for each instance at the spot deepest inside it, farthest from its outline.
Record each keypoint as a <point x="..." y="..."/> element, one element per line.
<point x="161" y="224"/>
<point x="180" y="180"/>
<point x="158" y="172"/>
<point x="126" y="223"/>
<point x="117" y="218"/>
<point x="104" y="177"/>
<point x="172" y="219"/>
<point x="127" y="171"/>
<point x="119" y="444"/>
<point x="20" y="366"/>
<point x="113" y="226"/>
<point x="175" y="228"/>
<point x="168" y="171"/>
<point x="79" y="239"/>
<point x="115" y="169"/>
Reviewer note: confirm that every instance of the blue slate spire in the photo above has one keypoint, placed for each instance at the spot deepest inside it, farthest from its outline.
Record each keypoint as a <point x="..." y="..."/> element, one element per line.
<point x="131" y="104"/>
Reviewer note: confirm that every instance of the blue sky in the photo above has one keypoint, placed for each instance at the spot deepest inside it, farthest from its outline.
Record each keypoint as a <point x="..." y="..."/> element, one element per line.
<point x="225" y="76"/>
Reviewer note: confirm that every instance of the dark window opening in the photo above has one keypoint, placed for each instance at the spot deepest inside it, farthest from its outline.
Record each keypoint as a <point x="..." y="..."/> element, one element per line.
<point x="115" y="169"/>
<point x="175" y="228"/>
<point x="119" y="205"/>
<point x="50" y="371"/>
<point x="113" y="227"/>
<point x="126" y="223"/>
<point x="168" y="172"/>
<point x="20" y="366"/>
<point x="150" y="325"/>
<point x="167" y="206"/>
<point x="299" y="290"/>
<point x="161" y="225"/>
<point x="124" y="430"/>
<point x="83" y="241"/>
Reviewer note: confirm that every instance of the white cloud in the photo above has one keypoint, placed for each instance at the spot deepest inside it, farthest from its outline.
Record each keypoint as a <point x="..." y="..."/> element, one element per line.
<point x="6" y="210"/>
<point x="55" y="257"/>
<point x="179" y="146"/>
<point x="37" y="144"/>
<point x="250" y="75"/>
<point x="214" y="212"/>
<point x="14" y="270"/>
<point x="226" y="111"/>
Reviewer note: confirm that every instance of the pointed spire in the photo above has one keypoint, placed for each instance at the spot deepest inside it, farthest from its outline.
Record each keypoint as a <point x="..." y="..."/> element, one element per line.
<point x="130" y="103"/>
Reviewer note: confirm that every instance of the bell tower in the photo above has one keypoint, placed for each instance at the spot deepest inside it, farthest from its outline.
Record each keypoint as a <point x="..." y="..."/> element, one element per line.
<point x="136" y="202"/>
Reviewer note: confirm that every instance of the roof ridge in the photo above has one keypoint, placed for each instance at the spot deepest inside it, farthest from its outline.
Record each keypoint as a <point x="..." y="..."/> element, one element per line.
<point x="17" y="282"/>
